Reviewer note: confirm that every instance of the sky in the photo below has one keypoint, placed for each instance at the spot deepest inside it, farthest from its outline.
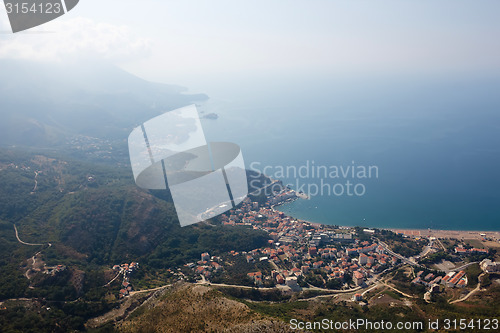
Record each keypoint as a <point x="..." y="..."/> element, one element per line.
<point x="198" y="42"/>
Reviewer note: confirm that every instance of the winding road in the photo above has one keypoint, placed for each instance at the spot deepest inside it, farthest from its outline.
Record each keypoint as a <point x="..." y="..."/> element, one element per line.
<point x="472" y="292"/>
<point x="20" y="241"/>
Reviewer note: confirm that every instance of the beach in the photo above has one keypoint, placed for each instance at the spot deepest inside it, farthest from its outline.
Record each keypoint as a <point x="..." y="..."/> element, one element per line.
<point x="458" y="234"/>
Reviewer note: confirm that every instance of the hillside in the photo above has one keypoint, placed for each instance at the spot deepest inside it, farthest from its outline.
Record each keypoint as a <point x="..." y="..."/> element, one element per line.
<point x="188" y="308"/>
<point x="87" y="218"/>
<point x="44" y="104"/>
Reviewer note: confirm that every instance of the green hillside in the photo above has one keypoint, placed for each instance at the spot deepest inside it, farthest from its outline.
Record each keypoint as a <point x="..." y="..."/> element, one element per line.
<point x="88" y="218"/>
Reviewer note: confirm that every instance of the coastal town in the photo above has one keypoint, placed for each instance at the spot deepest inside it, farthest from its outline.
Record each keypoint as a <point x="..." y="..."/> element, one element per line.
<point x="304" y="256"/>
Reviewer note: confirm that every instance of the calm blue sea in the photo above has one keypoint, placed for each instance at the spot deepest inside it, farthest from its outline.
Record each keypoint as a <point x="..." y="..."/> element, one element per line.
<point x="435" y="143"/>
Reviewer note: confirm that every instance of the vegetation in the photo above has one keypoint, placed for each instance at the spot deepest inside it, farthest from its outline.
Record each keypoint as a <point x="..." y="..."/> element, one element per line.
<point x="94" y="217"/>
<point x="435" y="258"/>
<point x="473" y="272"/>
<point x="402" y="245"/>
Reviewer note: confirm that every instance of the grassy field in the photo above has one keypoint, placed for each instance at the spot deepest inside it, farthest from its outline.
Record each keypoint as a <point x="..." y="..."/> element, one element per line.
<point x="475" y="243"/>
<point x="491" y="244"/>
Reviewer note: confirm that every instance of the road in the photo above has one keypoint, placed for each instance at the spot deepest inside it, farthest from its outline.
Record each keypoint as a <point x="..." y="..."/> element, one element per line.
<point x="117" y="275"/>
<point x="148" y="290"/>
<point x="397" y="290"/>
<point x="427" y="249"/>
<point x="397" y="255"/>
<point x="441" y="244"/>
<point x="333" y="291"/>
<point x="370" y="289"/>
<point x="472" y="291"/>
<point x="20" y="241"/>
<point x="36" y="182"/>
<point x="463" y="266"/>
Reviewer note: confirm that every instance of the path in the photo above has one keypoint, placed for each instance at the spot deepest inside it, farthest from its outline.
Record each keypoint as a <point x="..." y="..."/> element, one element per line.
<point x="472" y="292"/>
<point x="463" y="266"/>
<point x="36" y="182"/>
<point x="20" y="241"/>
<point x="397" y="290"/>
<point x="117" y="275"/>
<point x="148" y="290"/>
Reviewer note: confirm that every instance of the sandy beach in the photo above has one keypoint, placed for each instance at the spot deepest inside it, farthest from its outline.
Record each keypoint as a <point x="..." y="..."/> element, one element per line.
<point x="458" y="234"/>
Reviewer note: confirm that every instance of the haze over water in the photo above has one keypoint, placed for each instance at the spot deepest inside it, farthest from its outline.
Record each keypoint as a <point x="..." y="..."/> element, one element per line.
<point x="435" y="142"/>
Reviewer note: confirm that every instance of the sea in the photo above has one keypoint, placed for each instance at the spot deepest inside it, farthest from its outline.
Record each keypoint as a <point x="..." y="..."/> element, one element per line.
<point x="408" y="152"/>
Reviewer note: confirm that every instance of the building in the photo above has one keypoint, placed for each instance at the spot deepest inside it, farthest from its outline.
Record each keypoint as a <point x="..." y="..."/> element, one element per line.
<point x="358" y="278"/>
<point x="455" y="279"/>
<point x="428" y="277"/>
<point x="291" y="282"/>
<point x="363" y="259"/>
<point x="205" y="256"/>
<point x="317" y="264"/>
<point x="489" y="266"/>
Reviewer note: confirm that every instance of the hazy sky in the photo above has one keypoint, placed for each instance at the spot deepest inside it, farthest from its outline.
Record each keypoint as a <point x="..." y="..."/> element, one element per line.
<point x="193" y="42"/>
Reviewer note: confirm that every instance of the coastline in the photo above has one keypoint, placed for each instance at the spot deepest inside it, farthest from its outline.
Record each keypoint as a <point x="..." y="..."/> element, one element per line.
<point x="438" y="233"/>
<point x="459" y="234"/>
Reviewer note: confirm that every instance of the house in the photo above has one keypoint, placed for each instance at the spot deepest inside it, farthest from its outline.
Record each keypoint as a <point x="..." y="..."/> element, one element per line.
<point x="205" y="256"/>
<point x="437" y="280"/>
<point x="489" y="266"/>
<point x="416" y="280"/>
<point x="254" y="276"/>
<point x="351" y="252"/>
<point x="446" y="278"/>
<point x="317" y="264"/>
<point x="123" y="292"/>
<point x="358" y="278"/>
<point x="216" y="266"/>
<point x="291" y="282"/>
<point x="455" y="279"/>
<point x="428" y="277"/>
<point x="363" y="259"/>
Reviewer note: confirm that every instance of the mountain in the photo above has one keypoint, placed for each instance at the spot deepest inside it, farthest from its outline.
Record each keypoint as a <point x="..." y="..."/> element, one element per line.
<point x="42" y="104"/>
<point x="69" y="207"/>
<point x="189" y="308"/>
<point x="98" y="211"/>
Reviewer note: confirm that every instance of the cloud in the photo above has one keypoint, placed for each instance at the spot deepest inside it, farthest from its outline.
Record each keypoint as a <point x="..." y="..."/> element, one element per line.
<point x="75" y="38"/>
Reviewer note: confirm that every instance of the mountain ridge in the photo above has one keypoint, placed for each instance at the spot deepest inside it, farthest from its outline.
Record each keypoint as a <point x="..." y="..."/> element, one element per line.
<point x="42" y="104"/>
